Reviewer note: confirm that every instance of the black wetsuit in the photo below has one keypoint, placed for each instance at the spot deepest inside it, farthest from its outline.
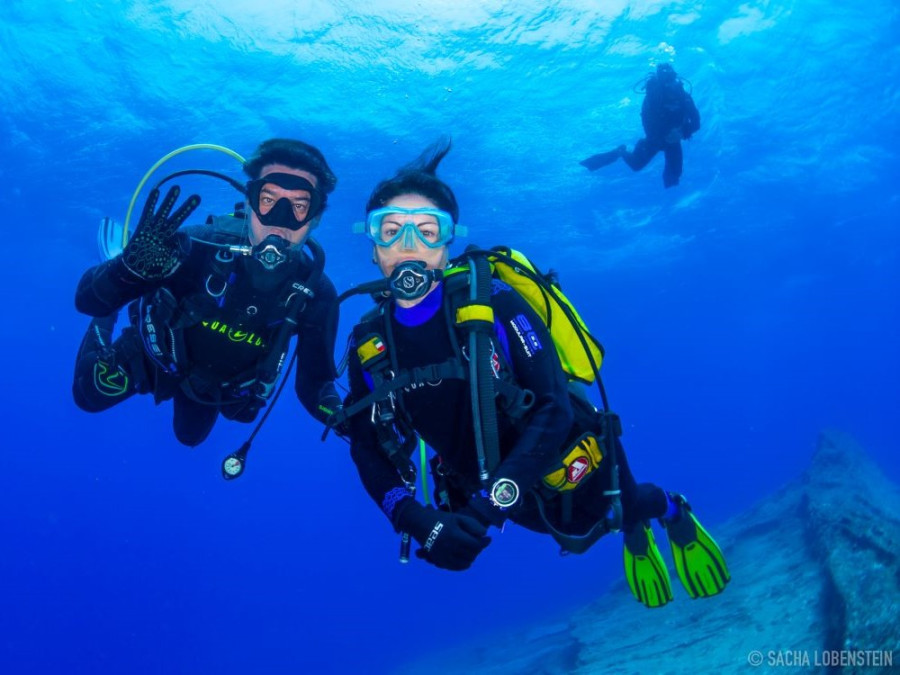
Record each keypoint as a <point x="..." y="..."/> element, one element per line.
<point x="441" y="413"/>
<point x="221" y="346"/>
<point x="667" y="107"/>
<point x="668" y="115"/>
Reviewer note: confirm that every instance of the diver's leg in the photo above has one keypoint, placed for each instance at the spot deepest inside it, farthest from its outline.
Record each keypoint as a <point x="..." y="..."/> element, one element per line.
<point x="192" y="421"/>
<point x="640" y="501"/>
<point x="638" y="158"/>
<point x="674" y="161"/>
<point x="107" y="372"/>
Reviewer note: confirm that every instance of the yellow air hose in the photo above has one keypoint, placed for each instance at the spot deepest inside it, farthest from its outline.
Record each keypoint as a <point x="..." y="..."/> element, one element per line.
<point x="196" y="146"/>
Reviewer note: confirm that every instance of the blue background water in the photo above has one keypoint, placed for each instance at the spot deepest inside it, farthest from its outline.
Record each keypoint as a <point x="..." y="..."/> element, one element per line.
<point x="741" y="311"/>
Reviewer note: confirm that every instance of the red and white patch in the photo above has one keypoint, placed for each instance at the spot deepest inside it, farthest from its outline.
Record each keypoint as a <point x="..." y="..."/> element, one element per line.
<point x="577" y="469"/>
<point x="495" y="361"/>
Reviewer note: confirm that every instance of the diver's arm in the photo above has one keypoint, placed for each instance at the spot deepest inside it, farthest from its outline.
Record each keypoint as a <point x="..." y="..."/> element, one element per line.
<point x="153" y="254"/>
<point x="316" y="336"/>
<point x="647" y="116"/>
<point x="536" y="367"/>
<point x="691" y="117"/>
<point x="108" y="287"/>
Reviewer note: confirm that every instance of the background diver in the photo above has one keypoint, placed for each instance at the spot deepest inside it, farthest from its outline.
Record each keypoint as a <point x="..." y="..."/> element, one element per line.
<point x="213" y="308"/>
<point x="669" y="116"/>
<point x="558" y="458"/>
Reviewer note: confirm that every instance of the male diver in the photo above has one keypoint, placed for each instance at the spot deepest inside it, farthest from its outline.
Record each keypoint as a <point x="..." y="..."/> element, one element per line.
<point x="533" y="451"/>
<point x="212" y="309"/>
<point x="669" y="116"/>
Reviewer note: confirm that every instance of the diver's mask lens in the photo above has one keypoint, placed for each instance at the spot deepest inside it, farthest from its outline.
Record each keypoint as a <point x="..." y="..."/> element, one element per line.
<point x="432" y="227"/>
<point x="284" y="200"/>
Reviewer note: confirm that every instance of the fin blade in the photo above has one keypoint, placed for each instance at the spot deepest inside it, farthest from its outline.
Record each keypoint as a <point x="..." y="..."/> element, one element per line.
<point x="602" y="159"/>
<point x="699" y="561"/>
<point x="645" y="569"/>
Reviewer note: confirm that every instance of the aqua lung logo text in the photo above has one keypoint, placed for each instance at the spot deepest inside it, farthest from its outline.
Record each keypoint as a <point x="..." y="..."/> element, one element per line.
<point x="234" y="334"/>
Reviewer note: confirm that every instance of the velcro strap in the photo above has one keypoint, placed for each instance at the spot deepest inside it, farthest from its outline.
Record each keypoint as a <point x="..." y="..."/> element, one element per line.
<point x="514" y="400"/>
<point x="371" y="348"/>
<point x="451" y="369"/>
<point x="474" y="315"/>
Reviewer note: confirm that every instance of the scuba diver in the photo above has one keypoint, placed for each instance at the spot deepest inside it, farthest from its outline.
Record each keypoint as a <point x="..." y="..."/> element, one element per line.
<point x="212" y="308"/>
<point x="455" y="357"/>
<point x="669" y="116"/>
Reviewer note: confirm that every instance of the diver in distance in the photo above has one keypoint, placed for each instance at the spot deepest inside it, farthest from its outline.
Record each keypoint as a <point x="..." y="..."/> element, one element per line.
<point x="457" y="355"/>
<point x="669" y="116"/>
<point x="212" y="308"/>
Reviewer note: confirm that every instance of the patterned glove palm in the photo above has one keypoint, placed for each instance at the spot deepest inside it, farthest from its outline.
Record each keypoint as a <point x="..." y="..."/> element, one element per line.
<point x="154" y="252"/>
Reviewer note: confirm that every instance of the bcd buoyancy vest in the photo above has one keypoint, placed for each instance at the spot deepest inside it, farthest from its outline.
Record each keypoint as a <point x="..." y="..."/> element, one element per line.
<point x="162" y="320"/>
<point x="469" y="318"/>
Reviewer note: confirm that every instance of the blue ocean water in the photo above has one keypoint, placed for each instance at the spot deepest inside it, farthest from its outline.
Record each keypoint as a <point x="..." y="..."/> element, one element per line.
<point x="742" y="311"/>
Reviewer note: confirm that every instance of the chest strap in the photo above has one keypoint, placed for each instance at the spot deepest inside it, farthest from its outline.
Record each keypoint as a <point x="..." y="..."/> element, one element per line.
<point x="386" y="384"/>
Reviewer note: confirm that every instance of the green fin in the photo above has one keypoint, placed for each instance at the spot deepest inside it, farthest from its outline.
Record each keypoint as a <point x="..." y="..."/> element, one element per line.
<point x="645" y="570"/>
<point x="698" y="558"/>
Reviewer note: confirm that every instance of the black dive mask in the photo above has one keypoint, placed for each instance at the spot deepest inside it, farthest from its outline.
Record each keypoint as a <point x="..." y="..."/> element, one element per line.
<point x="410" y="280"/>
<point x="271" y="251"/>
<point x="285" y="213"/>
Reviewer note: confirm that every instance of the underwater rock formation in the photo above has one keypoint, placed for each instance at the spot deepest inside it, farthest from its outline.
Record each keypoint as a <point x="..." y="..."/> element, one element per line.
<point x="815" y="588"/>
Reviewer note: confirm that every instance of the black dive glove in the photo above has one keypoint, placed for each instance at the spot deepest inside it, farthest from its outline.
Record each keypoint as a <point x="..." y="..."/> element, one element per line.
<point x="155" y="251"/>
<point x="338" y="422"/>
<point x="450" y="541"/>
<point x="481" y="508"/>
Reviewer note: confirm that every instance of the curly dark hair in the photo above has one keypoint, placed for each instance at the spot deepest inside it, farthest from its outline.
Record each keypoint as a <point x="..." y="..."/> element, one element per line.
<point x="295" y="154"/>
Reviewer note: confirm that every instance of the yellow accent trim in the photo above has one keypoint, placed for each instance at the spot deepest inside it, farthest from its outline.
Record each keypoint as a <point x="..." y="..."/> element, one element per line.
<point x="368" y="350"/>
<point x="159" y="163"/>
<point x="587" y="449"/>
<point x="571" y="353"/>
<point x="475" y="313"/>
